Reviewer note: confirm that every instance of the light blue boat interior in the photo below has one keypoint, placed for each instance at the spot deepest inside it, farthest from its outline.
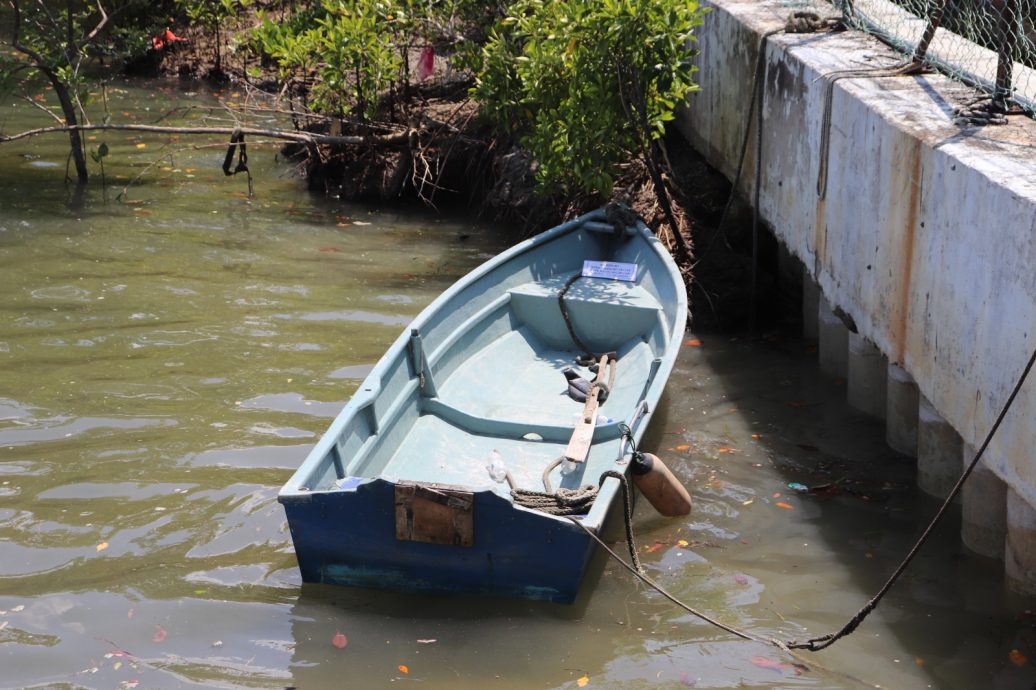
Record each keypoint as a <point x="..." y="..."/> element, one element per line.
<point x="479" y="373"/>
<point x="481" y="370"/>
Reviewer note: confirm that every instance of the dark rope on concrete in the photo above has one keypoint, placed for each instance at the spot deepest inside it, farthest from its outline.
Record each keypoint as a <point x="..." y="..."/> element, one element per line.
<point x="798" y="22"/>
<point x="817" y="643"/>
<point x="897" y="70"/>
<point x="759" y="60"/>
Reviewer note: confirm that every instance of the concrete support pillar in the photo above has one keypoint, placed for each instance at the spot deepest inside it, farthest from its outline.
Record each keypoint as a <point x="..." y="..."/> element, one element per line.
<point x="810" y="305"/>
<point x="984" y="509"/>
<point x="1020" y="554"/>
<point x="939" y="449"/>
<point x="868" y="372"/>
<point x="833" y="339"/>
<point x="901" y="401"/>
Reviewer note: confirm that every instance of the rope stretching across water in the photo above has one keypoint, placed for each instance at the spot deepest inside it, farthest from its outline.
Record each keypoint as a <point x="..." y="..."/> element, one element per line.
<point x="818" y="643"/>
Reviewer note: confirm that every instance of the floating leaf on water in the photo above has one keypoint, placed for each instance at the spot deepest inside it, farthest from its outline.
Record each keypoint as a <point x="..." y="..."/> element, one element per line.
<point x="682" y="447"/>
<point x="683" y="542"/>
<point x="102" y="546"/>
<point x="786" y="506"/>
<point x="141" y="145"/>
<point x="404" y="669"/>
<point x="160" y="634"/>
<point x="339" y="640"/>
<point x="583" y="680"/>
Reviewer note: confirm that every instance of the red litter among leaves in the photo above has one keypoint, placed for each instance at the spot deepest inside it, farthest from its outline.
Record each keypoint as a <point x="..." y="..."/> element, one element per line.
<point x="763" y="662"/>
<point x="426" y="63"/>
<point x="166" y="38"/>
<point x="339" y="640"/>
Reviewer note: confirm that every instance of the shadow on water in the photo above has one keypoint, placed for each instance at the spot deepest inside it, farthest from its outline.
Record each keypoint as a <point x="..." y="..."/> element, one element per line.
<point x="825" y="551"/>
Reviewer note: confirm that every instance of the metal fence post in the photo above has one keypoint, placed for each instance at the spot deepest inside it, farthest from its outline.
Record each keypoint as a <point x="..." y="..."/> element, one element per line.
<point x="1007" y="28"/>
<point x="934" y="20"/>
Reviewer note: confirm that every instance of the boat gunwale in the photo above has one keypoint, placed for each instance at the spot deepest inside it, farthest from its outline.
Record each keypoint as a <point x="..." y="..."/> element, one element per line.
<point x="369" y="390"/>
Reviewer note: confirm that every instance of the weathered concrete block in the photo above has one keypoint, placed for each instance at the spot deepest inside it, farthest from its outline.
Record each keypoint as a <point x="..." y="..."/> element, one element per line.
<point x="984" y="509"/>
<point x="1020" y="554"/>
<point x="901" y="401"/>
<point x="868" y="372"/>
<point x="810" y="305"/>
<point x="939" y="449"/>
<point x="899" y="237"/>
<point x="833" y="341"/>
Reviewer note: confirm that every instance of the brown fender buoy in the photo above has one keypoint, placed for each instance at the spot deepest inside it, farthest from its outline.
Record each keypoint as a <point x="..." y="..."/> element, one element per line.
<point x="659" y="485"/>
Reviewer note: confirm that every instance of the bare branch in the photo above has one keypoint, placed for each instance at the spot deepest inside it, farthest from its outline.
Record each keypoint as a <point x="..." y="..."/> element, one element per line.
<point x="308" y="138"/>
<point x="96" y="30"/>
<point x="43" y="108"/>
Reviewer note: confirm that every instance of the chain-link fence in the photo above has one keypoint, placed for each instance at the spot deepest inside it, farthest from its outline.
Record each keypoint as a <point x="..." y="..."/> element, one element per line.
<point x="988" y="44"/>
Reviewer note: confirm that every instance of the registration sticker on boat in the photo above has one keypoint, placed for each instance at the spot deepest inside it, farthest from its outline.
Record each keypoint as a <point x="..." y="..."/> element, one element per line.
<point x="612" y="270"/>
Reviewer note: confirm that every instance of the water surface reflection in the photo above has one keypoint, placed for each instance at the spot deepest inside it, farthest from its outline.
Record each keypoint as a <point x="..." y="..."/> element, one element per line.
<point x="165" y="364"/>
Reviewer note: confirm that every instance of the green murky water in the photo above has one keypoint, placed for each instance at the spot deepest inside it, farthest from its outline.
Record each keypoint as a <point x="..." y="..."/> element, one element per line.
<point x="167" y="359"/>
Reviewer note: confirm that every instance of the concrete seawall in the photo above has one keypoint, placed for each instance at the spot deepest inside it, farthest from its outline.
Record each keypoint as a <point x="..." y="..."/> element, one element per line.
<point x="925" y="238"/>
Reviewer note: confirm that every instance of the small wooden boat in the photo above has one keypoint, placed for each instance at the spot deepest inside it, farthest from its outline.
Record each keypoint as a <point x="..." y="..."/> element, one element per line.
<point x="451" y="467"/>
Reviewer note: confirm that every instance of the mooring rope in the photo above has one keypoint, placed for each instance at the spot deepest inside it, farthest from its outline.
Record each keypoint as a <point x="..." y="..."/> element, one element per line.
<point x="797" y="23"/>
<point x="560" y="502"/>
<point x="818" y="643"/>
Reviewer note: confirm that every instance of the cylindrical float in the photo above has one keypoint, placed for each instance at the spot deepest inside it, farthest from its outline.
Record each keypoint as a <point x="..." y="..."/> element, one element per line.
<point x="659" y="485"/>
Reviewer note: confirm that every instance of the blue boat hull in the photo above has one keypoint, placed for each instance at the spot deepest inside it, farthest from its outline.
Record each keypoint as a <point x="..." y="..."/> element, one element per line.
<point x="516" y="553"/>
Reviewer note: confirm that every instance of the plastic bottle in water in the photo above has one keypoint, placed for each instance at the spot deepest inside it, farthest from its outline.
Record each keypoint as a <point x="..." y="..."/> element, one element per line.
<point x="496" y="467"/>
